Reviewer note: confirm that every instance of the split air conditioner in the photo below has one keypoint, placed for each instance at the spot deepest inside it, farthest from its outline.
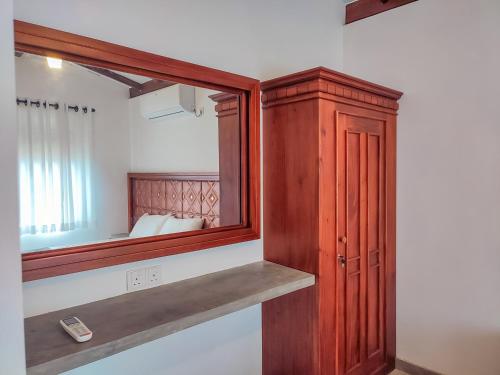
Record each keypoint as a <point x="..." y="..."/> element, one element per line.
<point x="171" y="102"/>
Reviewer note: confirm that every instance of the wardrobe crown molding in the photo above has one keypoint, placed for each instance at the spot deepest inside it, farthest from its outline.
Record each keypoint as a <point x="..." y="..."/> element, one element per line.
<point x="329" y="84"/>
<point x="227" y="104"/>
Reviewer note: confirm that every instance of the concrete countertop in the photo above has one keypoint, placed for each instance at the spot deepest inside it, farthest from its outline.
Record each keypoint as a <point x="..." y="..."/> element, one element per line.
<point x="132" y="319"/>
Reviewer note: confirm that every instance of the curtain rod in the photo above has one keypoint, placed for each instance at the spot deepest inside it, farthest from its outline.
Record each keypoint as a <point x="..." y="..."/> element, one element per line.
<point x="56" y="106"/>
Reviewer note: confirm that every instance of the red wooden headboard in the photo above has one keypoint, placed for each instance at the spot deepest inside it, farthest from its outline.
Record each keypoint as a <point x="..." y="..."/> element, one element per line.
<point x="185" y="195"/>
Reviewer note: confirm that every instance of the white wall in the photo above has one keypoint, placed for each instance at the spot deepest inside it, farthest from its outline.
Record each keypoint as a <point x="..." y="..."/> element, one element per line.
<point x="445" y="56"/>
<point x="11" y="324"/>
<point x="75" y="85"/>
<point x="260" y="39"/>
<point x="188" y="144"/>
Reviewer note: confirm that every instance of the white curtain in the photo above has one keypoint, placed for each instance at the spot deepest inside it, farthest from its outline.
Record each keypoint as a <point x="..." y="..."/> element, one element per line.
<point x="55" y="179"/>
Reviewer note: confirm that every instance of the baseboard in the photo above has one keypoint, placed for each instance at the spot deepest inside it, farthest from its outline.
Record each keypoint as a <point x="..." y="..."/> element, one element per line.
<point x="412" y="369"/>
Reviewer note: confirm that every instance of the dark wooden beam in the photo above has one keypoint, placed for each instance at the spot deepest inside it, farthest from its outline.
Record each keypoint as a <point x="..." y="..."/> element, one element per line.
<point x="149" y="86"/>
<point x="366" y="8"/>
<point x="136" y="88"/>
<point x="113" y="75"/>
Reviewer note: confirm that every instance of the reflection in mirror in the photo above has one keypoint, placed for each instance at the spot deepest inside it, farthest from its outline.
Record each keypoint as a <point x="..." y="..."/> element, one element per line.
<point x="107" y="155"/>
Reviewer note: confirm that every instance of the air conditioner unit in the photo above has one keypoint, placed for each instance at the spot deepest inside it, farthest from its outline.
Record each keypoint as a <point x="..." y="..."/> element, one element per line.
<point x="171" y="102"/>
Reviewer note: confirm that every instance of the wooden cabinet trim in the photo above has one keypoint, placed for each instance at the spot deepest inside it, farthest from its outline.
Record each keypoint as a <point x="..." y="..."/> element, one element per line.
<point x="326" y="81"/>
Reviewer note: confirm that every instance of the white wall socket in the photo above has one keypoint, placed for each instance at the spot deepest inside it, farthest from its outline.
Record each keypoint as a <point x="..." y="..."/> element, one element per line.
<point x="143" y="278"/>
<point x="153" y="275"/>
<point x="136" y="279"/>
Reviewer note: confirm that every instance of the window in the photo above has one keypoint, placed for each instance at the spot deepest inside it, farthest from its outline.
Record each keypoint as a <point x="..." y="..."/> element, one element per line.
<point x="55" y="156"/>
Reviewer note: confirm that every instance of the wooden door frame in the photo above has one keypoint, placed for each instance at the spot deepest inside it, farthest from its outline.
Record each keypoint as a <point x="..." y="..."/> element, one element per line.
<point x="45" y="41"/>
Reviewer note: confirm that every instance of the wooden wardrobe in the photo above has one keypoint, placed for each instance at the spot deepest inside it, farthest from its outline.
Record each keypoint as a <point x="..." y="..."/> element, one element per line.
<point x="330" y="209"/>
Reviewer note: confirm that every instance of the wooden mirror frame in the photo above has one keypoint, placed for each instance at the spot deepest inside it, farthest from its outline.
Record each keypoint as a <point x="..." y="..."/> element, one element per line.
<point x="45" y="41"/>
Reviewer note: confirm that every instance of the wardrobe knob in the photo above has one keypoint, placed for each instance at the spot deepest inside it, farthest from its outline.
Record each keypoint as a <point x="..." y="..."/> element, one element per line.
<point x="342" y="260"/>
<point x="343" y="239"/>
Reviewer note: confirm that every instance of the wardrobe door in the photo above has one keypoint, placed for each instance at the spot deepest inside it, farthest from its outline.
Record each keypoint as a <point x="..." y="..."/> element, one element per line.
<point x="360" y="250"/>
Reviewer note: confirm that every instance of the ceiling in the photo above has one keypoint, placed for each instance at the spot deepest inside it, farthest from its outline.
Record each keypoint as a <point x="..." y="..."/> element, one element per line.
<point x="138" y="85"/>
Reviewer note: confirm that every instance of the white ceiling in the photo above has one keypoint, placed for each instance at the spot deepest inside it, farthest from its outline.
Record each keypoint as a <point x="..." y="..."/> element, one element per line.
<point x="134" y="77"/>
<point x="140" y="79"/>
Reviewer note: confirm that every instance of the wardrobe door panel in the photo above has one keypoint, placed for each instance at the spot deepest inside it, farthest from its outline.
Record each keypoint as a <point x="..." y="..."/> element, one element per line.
<point x="360" y="250"/>
<point x="375" y="248"/>
<point x="354" y="284"/>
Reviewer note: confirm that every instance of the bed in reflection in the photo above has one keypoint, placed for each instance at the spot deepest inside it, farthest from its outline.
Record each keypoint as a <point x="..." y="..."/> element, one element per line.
<point x="165" y="203"/>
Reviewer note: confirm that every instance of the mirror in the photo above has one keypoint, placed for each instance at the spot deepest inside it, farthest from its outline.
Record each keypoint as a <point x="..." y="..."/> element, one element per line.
<point x="124" y="154"/>
<point x="106" y="155"/>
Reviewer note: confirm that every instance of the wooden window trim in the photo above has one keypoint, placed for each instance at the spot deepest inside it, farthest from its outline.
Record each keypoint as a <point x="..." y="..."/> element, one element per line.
<point x="83" y="50"/>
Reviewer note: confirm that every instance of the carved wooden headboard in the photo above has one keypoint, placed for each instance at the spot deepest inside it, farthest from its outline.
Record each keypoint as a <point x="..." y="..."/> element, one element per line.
<point x="185" y="195"/>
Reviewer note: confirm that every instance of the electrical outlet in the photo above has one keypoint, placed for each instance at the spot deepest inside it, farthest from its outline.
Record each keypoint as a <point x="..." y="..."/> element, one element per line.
<point x="143" y="278"/>
<point x="153" y="275"/>
<point x="136" y="279"/>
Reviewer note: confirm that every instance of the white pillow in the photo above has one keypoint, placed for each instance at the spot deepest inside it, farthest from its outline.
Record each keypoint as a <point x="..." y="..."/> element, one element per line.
<point x="174" y="225"/>
<point x="148" y="225"/>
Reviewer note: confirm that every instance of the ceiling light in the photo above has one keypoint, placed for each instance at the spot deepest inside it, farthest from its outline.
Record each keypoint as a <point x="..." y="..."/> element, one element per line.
<point x="54" y="63"/>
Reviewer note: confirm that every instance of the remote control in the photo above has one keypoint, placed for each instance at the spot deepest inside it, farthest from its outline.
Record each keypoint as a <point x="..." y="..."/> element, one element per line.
<point x="76" y="329"/>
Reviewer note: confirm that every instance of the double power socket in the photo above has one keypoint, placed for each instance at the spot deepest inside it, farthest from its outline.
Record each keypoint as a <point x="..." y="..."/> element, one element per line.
<point x="143" y="278"/>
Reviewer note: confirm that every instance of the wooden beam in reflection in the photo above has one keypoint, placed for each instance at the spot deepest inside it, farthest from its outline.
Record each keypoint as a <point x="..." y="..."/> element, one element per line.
<point x="115" y="76"/>
<point x="149" y="86"/>
<point x="136" y="88"/>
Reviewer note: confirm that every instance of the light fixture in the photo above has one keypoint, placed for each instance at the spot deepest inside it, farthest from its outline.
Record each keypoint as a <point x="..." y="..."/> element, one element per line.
<point x="54" y="63"/>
